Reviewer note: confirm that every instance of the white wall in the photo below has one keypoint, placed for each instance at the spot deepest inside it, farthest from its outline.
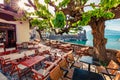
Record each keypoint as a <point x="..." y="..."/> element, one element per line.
<point x="22" y="30"/>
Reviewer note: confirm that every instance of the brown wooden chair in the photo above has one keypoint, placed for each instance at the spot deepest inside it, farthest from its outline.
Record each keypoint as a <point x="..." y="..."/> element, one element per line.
<point x="6" y="65"/>
<point x="42" y="74"/>
<point x="73" y="62"/>
<point x="2" y="53"/>
<point x="117" y="77"/>
<point x="19" y="46"/>
<point x="118" y="56"/>
<point x="57" y="74"/>
<point x="78" y="51"/>
<point x="48" y="63"/>
<point x="109" y="70"/>
<point x="64" y="66"/>
<point x="14" y="51"/>
<point x="2" y="47"/>
<point x="48" y="43"/>
<point x="19" y="68"/>
<point x="85" y="50"/>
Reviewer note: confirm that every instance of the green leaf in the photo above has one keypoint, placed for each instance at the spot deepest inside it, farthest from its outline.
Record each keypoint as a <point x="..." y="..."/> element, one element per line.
<point x="108" y="15"/>
<point x="46" y="1"/>
<point x="59" y="20"/>
<point x="107" y="4"/>
<point x="64" y="3"/>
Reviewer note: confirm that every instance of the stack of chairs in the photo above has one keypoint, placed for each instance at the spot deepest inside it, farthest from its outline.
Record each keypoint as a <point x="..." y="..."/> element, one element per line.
<point x="61" y="68"/>
<point x="110" y="70"/>
<point x="117" y="77"/>
<point x="43" y="73"/>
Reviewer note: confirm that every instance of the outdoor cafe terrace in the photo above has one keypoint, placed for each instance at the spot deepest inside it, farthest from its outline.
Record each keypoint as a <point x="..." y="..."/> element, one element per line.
<point x="54" y="60"/>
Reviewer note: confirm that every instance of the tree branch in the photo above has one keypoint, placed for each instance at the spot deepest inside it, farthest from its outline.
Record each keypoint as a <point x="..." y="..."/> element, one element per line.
<point x="31" y="3"/>
<point x="116" y="11"/>
<point x="53" y="5"/>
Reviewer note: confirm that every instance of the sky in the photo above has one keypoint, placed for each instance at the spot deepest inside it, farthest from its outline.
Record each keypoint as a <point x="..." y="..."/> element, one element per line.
<point x="91" y="1"/>
<point x="113" y="24"/>
<point x="110" y="24"/>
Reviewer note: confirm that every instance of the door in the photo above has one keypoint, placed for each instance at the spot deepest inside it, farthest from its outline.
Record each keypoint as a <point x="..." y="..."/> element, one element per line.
<point x="8" y="34"/>
<point x="11" y="38"/>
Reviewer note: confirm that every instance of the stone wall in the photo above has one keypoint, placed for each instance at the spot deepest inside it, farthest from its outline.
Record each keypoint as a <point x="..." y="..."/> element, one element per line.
<point x="112" y="54"/>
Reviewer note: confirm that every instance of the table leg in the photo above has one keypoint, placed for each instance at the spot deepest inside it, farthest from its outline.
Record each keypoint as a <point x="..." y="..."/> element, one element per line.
<point x="89" y="67"/>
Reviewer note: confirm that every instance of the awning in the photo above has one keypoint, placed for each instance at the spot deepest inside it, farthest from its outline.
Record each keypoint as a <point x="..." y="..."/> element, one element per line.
<point x="8" y="15"/>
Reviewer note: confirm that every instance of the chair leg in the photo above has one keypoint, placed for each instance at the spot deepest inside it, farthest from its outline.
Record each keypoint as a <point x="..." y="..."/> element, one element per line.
<point x="65" y="75"/>
<point x="103" y="76"/>
<point x="110" y="77"/>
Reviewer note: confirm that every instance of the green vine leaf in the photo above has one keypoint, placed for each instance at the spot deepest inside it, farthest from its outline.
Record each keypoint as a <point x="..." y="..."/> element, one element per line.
<point x="64" y="3"/>
<point x="59" y="20"/>
<point x="46" y="1"/>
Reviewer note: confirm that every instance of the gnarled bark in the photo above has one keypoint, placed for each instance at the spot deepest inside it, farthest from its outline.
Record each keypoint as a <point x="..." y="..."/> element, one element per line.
<point x="40" y="34"/>
<point x="99" y="41"/>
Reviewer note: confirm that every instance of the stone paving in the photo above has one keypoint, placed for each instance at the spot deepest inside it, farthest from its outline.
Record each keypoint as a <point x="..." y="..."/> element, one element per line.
<point x="29" y="75"/>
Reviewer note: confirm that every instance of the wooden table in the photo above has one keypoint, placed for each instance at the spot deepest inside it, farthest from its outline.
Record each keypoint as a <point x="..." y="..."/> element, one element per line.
<point x="32" y="61"/>
<point x="26" y="65"/>
<point x="65" y="45"/>
<point x="88" y="60"/>
<point x="15" y="56"/>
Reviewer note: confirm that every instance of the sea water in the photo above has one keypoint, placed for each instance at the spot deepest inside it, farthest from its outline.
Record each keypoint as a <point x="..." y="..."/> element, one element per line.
<point x="113" y="39"/>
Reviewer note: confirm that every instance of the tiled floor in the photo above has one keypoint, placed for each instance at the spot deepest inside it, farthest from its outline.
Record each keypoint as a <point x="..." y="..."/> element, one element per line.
<point x="29" y="76"/>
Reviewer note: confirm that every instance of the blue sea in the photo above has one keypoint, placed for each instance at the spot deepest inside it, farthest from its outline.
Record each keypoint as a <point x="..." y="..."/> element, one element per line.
<point x="113" y="39"/>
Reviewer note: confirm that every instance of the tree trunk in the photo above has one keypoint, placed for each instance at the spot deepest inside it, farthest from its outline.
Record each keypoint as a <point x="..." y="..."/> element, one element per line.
<point x="99" y="42"/>
<point x="40" y="34"/>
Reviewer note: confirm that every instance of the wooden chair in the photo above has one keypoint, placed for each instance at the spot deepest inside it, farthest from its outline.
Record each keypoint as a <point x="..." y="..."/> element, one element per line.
<point x="54" y="44"/>
<point x="110" y="70"/>
<point x="5" y="53"/>
<point x="82" y="51"/>
<point x="14" y="51"/>
<point x="57" y="74"/>
<point x="2" y="53"/>
<point x="19" y="68"/>
<point x="118" y="56"/>
<point x="48" y="63"/>
<point x="64" y="66"/>
<point x="37" y="40"/>
<point x="85" y="50"/>
<point x="10" y="49"/>
<point x="117" y="77"/>
<point x="6" y="65"/>
<point x="78" y="51"/>
<point x="19" y="46"/>
<point x="25" y="45"/>
<point x="73" y="62"/>
<point x="31" y="46"/>
<point x="42" y="74"/>
<point x="48" y="43"/>
<point x="2" y="47"/>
